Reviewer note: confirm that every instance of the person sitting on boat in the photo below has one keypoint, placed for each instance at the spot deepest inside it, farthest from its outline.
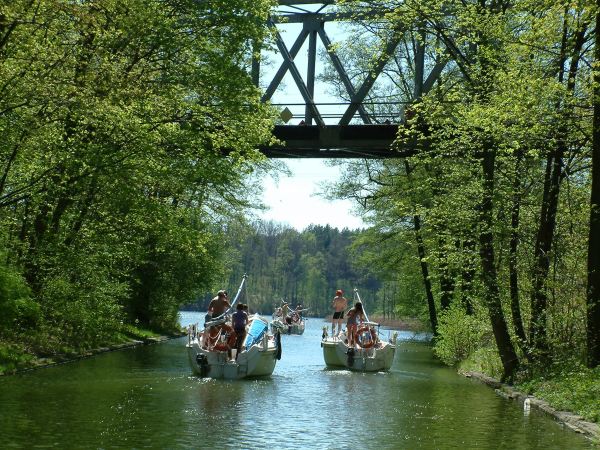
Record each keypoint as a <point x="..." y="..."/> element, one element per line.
<point x="355" y="315"/>
<point x="339" y="303"/>
<point x="297" y="314"/>
<point x="239" y="321"/>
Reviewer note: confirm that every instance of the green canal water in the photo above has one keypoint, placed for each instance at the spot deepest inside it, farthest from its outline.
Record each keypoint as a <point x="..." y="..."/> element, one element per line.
<point x="147" y="397"/>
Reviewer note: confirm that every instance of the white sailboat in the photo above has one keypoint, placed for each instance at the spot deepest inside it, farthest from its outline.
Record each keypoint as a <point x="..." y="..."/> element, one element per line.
<point x="294" y="323"/>
<point x="211" y="352"/>
<point x="370" y="353"/>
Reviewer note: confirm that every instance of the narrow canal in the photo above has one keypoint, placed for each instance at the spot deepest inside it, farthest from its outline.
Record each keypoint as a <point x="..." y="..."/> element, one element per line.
<point x="146" y="397"/>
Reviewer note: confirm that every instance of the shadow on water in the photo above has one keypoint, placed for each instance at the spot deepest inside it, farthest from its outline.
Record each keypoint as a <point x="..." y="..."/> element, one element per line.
<point x="147" y="397"/>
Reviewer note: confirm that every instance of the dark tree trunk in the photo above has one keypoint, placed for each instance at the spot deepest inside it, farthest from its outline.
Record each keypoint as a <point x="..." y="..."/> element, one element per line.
<point x="467" y="275"/>
<point x="425" y="272"/>
<point x="593" y="262"/>
<point x="515" y="306"/>
<point x="424" y="266"/>
<point x="538" y="336"/>
<point x="446" y="280"/>
<point x="510" y="361"/>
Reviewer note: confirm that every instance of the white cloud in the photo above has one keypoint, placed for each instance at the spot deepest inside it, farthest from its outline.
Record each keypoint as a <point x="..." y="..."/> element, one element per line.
<point x="294" y="200"/>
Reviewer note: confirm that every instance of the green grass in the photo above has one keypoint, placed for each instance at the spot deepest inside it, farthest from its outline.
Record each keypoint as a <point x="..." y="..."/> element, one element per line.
<point x="484" y="360"/>
<point x="129" y="332"/>
<point x="566" y="386"/>
<point x="575" y="389"/>
<point x="15" y="356"/>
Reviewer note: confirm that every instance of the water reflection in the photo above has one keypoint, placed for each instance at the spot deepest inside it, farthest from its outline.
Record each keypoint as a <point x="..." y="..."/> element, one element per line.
<point x="147" y="398"/>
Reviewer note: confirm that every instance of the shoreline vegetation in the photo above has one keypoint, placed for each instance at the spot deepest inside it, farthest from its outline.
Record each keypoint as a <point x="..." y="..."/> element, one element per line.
<point x="571" y="420"/>
<point x="15" y="363"/>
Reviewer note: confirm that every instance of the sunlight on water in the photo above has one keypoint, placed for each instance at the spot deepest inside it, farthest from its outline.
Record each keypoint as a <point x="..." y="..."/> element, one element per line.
<point x="147" y="397"/>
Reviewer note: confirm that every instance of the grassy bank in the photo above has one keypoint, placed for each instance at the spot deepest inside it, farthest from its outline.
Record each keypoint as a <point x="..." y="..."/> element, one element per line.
<point x="565" y="386"/>
<point x="18" y="356"/>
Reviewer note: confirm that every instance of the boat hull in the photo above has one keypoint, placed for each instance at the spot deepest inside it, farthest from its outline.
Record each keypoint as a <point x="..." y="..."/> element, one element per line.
<point x="336" y="355"/>
<point x="284" y="328"/>
<point x="257" y="359"/>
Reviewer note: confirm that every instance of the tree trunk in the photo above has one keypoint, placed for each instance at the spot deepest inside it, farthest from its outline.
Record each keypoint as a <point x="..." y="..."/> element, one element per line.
<point x="515" y="306"/>
<point x="467" y="275"/>
<point x="424" y="266"/>
<point x="425" y="272"/>
<point x="510" y="361"/>
<point x="545" y="237"/>
<point x="446" y="280"/>
<point x="593" y="262"/>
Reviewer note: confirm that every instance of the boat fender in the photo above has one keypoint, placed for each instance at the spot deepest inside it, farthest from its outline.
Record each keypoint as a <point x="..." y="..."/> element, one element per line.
<point x="350" y="354"/>
<point x="278" y="344"/>
<point x="202" y="361"/>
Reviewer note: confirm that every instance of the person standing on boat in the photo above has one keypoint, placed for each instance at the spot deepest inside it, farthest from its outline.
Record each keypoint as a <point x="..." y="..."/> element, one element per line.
<point x="239" y="321"/>
<point x="218" y="305"/>
<point x="285" y="309"/>
<point x="339" y="304"/>
<point x="354" y="315"/>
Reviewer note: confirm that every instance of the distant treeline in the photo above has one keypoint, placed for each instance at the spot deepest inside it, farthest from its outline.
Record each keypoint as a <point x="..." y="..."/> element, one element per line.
<point x="299" y="267"/>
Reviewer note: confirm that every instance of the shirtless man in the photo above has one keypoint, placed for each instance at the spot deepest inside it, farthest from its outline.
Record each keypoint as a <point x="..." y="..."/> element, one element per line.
<point x="339" y="304"/>
<point x="218" y="305"/>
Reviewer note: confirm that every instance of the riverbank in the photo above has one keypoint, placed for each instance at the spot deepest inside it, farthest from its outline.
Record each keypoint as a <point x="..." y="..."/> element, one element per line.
<point x="571" y="420"/>
<point x="29" y="362"/>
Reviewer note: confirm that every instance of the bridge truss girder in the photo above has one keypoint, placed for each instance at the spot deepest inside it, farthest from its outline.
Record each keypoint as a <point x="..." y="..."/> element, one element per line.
<point x="332" y="140"/>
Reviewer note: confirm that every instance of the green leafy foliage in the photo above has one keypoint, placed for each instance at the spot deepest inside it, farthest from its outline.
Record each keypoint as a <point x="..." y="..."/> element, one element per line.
<point x="304" y="267"/>
<point x="18" y="310"/>
<point x="575" y="388"/>
<point x="460" y="335"/>
<point x="129" y="134"/>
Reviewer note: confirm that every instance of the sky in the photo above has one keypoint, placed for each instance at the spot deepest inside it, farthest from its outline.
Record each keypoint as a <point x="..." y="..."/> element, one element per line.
<point x="294" y="200"/>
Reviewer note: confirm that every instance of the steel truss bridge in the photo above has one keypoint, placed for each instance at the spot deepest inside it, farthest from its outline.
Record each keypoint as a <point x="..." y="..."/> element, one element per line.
<point x="359" y="132"/>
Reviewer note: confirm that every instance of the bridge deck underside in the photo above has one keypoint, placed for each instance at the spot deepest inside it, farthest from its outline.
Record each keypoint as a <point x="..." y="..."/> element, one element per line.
<point x="336" y="141"/>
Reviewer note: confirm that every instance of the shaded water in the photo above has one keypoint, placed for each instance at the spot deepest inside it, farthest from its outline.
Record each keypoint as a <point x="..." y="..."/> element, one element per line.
<point x="147" y="397"/>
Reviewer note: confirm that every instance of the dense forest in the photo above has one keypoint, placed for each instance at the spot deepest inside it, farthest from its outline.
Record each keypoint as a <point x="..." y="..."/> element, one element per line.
<point x="129" y="134"/>
<point x="303" y="268"/>
<point x="115" y="117"/>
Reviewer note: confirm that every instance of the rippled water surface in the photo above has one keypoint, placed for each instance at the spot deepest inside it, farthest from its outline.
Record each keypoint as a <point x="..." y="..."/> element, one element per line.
<point x="147" y="397"/>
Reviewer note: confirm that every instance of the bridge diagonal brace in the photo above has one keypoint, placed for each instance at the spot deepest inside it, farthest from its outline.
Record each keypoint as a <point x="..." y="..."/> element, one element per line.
<point x="335" y="60"/>
<point x="434" y="75"/>
<point x="297" y="77"/>
<point x="370" y="80"/>
<point x="274" y="84"/>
